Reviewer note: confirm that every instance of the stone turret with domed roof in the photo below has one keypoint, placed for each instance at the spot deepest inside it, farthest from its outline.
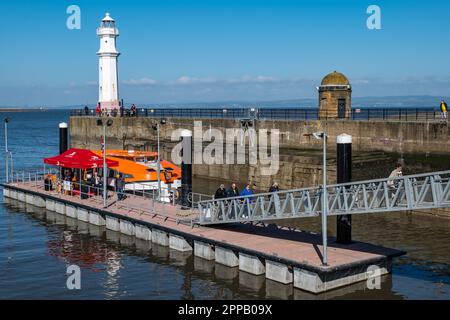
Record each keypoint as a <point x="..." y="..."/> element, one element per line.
<point x="335" y="96"/>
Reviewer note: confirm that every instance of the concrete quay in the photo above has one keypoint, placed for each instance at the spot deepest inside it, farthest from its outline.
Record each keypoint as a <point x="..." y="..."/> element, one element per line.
<point x="286" y="257"/>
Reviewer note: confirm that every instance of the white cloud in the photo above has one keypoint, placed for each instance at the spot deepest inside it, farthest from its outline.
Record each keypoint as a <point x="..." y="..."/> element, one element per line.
<point x="203" y="91"/>
<point x="360" y="81"/>
<point x="140" y="82"/>
<point x="189" y="80"/>
<point x="250" y="79"/>
<point x="193" y="80"/>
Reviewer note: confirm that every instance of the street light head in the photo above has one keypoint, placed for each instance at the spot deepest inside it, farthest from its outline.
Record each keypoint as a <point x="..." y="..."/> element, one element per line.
<point x="163" y="121"/>
<point x="99" y="122"/>
<point x="109" y="123"/>
<point x="155" y="127"/>
<point x="7" y="120"/>
<point x="318" y="135"/>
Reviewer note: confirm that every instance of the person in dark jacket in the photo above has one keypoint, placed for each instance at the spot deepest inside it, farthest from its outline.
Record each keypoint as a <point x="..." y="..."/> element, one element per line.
<point x="274" y="197"/>
<point x="274" y="187"/>
<point x="220" y="193"/>
<point x="233" y="191"/>
<point x="120" y="184"/>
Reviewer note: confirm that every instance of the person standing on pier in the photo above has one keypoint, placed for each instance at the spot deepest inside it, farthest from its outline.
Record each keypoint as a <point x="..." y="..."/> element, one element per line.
<point x="98" y="110"/>
<point x="444" y="109"/>
<point x="120" y="184"/>
<point x="97" y="183"/>
<point x="121" y="109"/>
<point x="133" y="110"/>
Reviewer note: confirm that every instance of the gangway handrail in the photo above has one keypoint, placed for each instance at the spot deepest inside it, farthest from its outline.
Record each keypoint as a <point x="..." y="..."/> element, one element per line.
<point x="411" y="192"/>
<point x="439" y="173"/>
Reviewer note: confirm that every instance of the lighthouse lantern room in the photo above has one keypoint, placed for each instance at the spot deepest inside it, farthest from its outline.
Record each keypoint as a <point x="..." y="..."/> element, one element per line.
<point x="108" y="94"/>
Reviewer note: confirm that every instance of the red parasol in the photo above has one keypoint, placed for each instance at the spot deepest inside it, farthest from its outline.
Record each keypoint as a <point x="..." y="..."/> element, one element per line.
<point x="79" y="159"/>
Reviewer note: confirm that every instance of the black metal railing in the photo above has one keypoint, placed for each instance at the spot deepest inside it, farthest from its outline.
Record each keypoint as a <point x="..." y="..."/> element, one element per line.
<point x="361" y="114"/>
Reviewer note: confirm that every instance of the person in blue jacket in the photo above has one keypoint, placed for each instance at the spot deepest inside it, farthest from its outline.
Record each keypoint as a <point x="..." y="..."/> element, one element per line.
<point x="248" y="191"/>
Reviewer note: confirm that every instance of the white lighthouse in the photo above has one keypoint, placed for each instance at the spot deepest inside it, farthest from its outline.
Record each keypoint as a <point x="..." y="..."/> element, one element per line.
<point x="108" y="90"/>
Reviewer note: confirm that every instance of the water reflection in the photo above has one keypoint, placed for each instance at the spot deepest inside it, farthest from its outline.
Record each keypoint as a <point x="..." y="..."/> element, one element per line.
<point x="119" y="266"/>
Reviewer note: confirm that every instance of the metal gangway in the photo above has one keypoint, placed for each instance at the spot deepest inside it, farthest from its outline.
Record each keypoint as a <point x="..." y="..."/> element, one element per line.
<point x="414" y="192"/>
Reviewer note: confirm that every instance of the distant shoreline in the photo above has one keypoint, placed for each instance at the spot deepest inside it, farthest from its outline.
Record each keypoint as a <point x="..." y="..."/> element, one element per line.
<point x="22" y="110"/>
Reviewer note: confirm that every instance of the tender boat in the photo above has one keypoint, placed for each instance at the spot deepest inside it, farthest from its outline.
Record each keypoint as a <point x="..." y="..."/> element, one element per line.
<point x="140" y="172"/>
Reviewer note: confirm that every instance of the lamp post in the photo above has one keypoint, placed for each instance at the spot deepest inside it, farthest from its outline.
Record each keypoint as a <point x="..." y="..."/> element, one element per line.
<point x="6" y="150"/>
<point x="323" y="136"/>
<point x="158" y="161"/>
<point x="104" y="123"/>
<point x="324" y="201"/>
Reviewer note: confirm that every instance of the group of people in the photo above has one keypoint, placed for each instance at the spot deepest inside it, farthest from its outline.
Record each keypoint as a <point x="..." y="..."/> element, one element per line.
<point x="104" y="112"/>
<point x="233" y="191"/>
<point x="91" y="184"/>
<point x="222" y="193"/>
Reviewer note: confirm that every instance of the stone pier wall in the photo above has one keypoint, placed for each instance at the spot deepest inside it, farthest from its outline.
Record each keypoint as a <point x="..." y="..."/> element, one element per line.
<point x="387" y="136"/>
<point x="300" y="155"/>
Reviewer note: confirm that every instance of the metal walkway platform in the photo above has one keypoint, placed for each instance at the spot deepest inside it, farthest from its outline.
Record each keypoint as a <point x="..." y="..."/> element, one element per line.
<point x="414" y="192"/>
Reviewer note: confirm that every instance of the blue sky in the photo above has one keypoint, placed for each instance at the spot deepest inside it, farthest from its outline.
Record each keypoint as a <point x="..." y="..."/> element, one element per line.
<point x="201" y="51"/>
